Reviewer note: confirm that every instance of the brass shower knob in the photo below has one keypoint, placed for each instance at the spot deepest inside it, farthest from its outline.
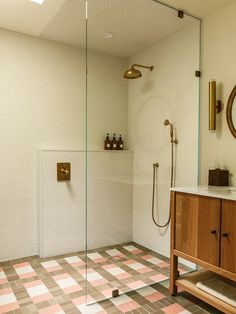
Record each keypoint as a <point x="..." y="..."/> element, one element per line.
<point x="63" y="171"/>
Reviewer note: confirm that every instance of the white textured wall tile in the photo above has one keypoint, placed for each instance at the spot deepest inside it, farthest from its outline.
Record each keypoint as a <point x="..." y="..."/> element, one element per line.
<point x="42" y="87"/>
<point x="170" y="91"/>
<point x="62" y="205"/>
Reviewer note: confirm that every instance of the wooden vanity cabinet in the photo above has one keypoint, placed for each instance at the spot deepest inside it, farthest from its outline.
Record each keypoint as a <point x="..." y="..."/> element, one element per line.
<point x="203" y="231"/>
<point x="228" y="236"/>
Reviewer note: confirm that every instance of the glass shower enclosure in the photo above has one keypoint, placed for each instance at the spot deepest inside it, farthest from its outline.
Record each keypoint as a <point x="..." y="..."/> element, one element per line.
<point x="158" y="48"/>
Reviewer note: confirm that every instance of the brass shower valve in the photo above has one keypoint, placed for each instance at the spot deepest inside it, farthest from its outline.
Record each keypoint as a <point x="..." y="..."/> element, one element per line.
<point x="63" y="171"/>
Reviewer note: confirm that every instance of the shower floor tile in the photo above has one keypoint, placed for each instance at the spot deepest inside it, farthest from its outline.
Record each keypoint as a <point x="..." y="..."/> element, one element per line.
<point x="58" y="285"/>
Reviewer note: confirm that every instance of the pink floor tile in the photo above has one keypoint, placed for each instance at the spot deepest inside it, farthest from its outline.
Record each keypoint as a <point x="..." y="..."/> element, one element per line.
<point x="182" y="271"/>
<point x="9" y="307"/>
<point x="118" y="257"/>
<point x="99" y="282"/>
<point x="158" y="278"/>
<point x="136" y="284"/>
<point x="8" y="301"/>
<point x="107" y="293"/>
<point x="132" y="249"/>
<point x="129" y="306"/>
<point x="54" y="309"/>
<point x="51" y="266"/>
<point x="42" y="297"/>
<point x="99" y="260"/>
<point x="125" y="275"/>
<point x="137" y="251"/>
<point x="163" y="265"/>
<point x="3" y="277"/>
<point x="83" y="300"/>
<point x="154" y="297"/>
<point x="109" y="266"/>
<point x="129" y="262"/>
<point x="173" y="309"/>
<point x="147" y="257"/>
<point x="96" y="257"/>
<point x="144" y="270"/>
<point x="75" y="261"/>
<point x="38" y="291"/>
<point x="24" y="270"/>
<point x="67" y="283"/>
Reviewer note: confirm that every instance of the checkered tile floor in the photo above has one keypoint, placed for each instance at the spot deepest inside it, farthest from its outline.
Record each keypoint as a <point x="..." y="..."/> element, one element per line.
<point x="58" y="285"/>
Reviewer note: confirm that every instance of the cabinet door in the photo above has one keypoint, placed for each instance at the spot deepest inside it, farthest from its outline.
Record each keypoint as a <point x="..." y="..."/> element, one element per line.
<point x="208" y="234"/>
<point x="197" y="228"/>
<point x="228" y="236"/>
<point x="186" y="223"/>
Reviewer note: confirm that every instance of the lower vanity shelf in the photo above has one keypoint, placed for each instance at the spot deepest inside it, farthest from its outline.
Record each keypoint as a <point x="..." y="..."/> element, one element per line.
<point x="189" y="282"/>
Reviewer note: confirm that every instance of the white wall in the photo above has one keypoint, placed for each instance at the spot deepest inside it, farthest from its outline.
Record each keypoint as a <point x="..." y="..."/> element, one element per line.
<point x="42" y="88"/>
<point x="63" y="206"/>
<point x="169" y="92"/>
<point x="219" y="62"/>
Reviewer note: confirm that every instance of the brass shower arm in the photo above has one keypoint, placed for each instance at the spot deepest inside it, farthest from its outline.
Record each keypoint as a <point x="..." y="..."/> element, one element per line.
<point x="143" y="66"/>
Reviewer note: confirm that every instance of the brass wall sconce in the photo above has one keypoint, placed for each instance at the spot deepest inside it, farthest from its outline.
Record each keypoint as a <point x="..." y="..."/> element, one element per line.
<point x="215" y="106"/>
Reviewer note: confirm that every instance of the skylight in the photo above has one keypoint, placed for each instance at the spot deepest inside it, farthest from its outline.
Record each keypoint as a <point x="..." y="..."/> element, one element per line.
<point x="38" y="1"/>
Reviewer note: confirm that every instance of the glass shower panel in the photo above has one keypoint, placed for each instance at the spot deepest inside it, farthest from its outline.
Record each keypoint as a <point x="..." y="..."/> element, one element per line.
<point x="141" y="63"/>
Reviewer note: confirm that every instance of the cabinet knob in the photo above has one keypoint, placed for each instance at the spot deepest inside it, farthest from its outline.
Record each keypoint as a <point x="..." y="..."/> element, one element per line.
<point x="213" y="232"/>
<point x="225" y="235"/>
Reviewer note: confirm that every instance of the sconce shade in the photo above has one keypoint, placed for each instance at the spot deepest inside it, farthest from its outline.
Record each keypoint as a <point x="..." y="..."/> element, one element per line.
<point x="212" y="105"/>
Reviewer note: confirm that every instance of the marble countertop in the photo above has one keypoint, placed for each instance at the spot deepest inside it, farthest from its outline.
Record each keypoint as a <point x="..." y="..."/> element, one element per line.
<point x="223" y="192"/>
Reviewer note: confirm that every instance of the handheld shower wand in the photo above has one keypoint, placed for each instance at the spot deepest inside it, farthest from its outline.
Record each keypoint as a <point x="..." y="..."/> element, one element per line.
<point x="173" y="140"/>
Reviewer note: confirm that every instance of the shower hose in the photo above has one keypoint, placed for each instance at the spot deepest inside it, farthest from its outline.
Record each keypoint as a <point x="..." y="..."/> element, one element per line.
<point x="155" y="168"/>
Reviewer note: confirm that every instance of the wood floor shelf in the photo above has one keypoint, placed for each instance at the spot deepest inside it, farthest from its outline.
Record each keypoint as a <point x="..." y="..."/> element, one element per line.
<point x="188" y="283"/>
<point x="203" y="231"/>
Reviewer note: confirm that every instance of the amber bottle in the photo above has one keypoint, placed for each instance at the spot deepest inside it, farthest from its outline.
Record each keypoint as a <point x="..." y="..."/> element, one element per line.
<point x="120" y="144"/>
<point x="114" y="142"/>
<point x="107" y="143"/>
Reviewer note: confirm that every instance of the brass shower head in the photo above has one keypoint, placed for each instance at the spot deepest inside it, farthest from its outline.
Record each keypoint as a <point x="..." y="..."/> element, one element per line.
<point x="167" y="122"/>
<point x="133" y="73"/>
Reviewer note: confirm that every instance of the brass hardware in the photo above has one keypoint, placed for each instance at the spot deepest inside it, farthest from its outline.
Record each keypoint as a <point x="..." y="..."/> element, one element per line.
<point x="133" y="73"/>
<point x="63" y="171"/>
<point x="115" y="293"/>
<point x="215" y="106"/>
<point x="156" y="164"/>
<point x="172" y="139"/>
<point x="180" y="14"/>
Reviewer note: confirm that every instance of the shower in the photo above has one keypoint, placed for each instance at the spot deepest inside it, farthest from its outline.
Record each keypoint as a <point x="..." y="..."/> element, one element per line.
<point x="173" y="140"/>
<point x="133" y="73"/>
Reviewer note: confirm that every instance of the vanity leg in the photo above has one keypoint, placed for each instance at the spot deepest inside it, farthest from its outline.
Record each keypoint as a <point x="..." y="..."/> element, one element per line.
<point x="173" y="274"/>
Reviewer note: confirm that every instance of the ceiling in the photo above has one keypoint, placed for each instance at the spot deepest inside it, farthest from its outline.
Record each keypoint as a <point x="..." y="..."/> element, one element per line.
<point x="135" y="24"/>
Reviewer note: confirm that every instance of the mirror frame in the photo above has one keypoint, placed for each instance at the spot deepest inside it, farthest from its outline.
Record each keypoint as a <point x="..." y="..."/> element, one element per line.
<point x="229" y="118"/>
